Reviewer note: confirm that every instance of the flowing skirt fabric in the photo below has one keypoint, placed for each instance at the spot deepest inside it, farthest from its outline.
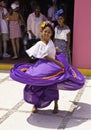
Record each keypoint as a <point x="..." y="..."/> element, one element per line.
<point x="41" y="80"/>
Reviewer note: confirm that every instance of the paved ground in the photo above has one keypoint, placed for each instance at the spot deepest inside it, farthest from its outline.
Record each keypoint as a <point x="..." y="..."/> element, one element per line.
<point x="15" y="114"/>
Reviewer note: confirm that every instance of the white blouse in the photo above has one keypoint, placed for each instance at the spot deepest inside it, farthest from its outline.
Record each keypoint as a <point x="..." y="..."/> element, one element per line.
<point x="61" y="33"/>
<point x="40" y="50"/>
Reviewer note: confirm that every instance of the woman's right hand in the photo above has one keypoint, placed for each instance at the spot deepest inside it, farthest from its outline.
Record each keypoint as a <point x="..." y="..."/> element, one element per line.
<point x="61" y="65"/>
<point x="55" y="61"/>
<point x="57" y="48"/>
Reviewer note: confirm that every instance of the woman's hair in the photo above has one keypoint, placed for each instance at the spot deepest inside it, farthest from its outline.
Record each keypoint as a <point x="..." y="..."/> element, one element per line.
<point x="48" y="24"/>
<point x="10" y="11"/>
<point x="37" y="7"/>
<point x="62" y="15"/>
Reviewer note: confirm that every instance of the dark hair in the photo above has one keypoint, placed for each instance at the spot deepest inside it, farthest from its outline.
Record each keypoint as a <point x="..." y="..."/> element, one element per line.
<point x="37" y="7"/>
<point x="2" y="1"/>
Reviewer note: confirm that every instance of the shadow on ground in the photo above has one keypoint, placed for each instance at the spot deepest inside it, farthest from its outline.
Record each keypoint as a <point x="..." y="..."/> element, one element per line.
<point x="46" y="119"/>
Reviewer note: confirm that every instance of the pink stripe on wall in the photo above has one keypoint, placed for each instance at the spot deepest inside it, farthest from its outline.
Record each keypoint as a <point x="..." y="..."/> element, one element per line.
<point x="81" y="55"/>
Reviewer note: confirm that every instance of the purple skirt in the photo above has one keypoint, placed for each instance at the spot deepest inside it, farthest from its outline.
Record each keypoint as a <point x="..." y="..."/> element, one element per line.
<point x="41" y="80"/>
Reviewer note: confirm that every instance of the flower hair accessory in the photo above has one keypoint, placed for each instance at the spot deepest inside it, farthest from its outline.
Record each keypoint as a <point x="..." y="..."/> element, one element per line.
<point x="59" y="12"/>
<point x="44" y="23"/>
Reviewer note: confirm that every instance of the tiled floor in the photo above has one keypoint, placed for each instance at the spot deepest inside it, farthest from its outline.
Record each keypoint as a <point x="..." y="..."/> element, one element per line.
<point x="15" y="113"/>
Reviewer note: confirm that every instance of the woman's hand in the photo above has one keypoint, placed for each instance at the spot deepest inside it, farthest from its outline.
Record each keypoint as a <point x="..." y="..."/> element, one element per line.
<point x="55" y="61"/>
<point x="61" y="65"/>
<point x="67" y="49"/>
<point x="57" y="48"/>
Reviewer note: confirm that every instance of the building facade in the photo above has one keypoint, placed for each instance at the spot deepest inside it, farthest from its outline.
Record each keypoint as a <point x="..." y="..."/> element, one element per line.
<point x="81" y="52"/>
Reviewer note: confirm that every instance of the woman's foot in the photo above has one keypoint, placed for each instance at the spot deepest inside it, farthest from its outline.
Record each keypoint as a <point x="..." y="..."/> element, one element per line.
<point x="55" y="107"/>
<point x="34" y="109"/>
<point x="6" y="55"/>
<point x="15" y="57"/>
<point x="55" y="110"/>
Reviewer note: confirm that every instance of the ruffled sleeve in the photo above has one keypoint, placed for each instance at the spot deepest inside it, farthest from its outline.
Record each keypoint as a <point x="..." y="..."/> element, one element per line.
<point x="39" y="50"/>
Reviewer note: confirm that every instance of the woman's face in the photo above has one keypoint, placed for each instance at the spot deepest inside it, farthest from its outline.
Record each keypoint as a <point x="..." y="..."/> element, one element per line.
<point x="37" y="12"/>
<point x="47" y="33"/>
<point x="60" y="20"/>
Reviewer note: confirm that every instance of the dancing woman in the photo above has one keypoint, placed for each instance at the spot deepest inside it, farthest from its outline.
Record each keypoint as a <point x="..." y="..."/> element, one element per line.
<point x="42" y="77"/>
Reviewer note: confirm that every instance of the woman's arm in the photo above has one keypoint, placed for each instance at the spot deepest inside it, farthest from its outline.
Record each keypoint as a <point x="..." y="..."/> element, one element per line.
<point x="6" y="17"/>
<point x="55" y="61"/>
<point x="68" y="39"/>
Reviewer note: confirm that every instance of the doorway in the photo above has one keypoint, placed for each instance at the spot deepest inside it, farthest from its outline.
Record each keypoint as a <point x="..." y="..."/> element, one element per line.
<point x="68" y="5"/>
